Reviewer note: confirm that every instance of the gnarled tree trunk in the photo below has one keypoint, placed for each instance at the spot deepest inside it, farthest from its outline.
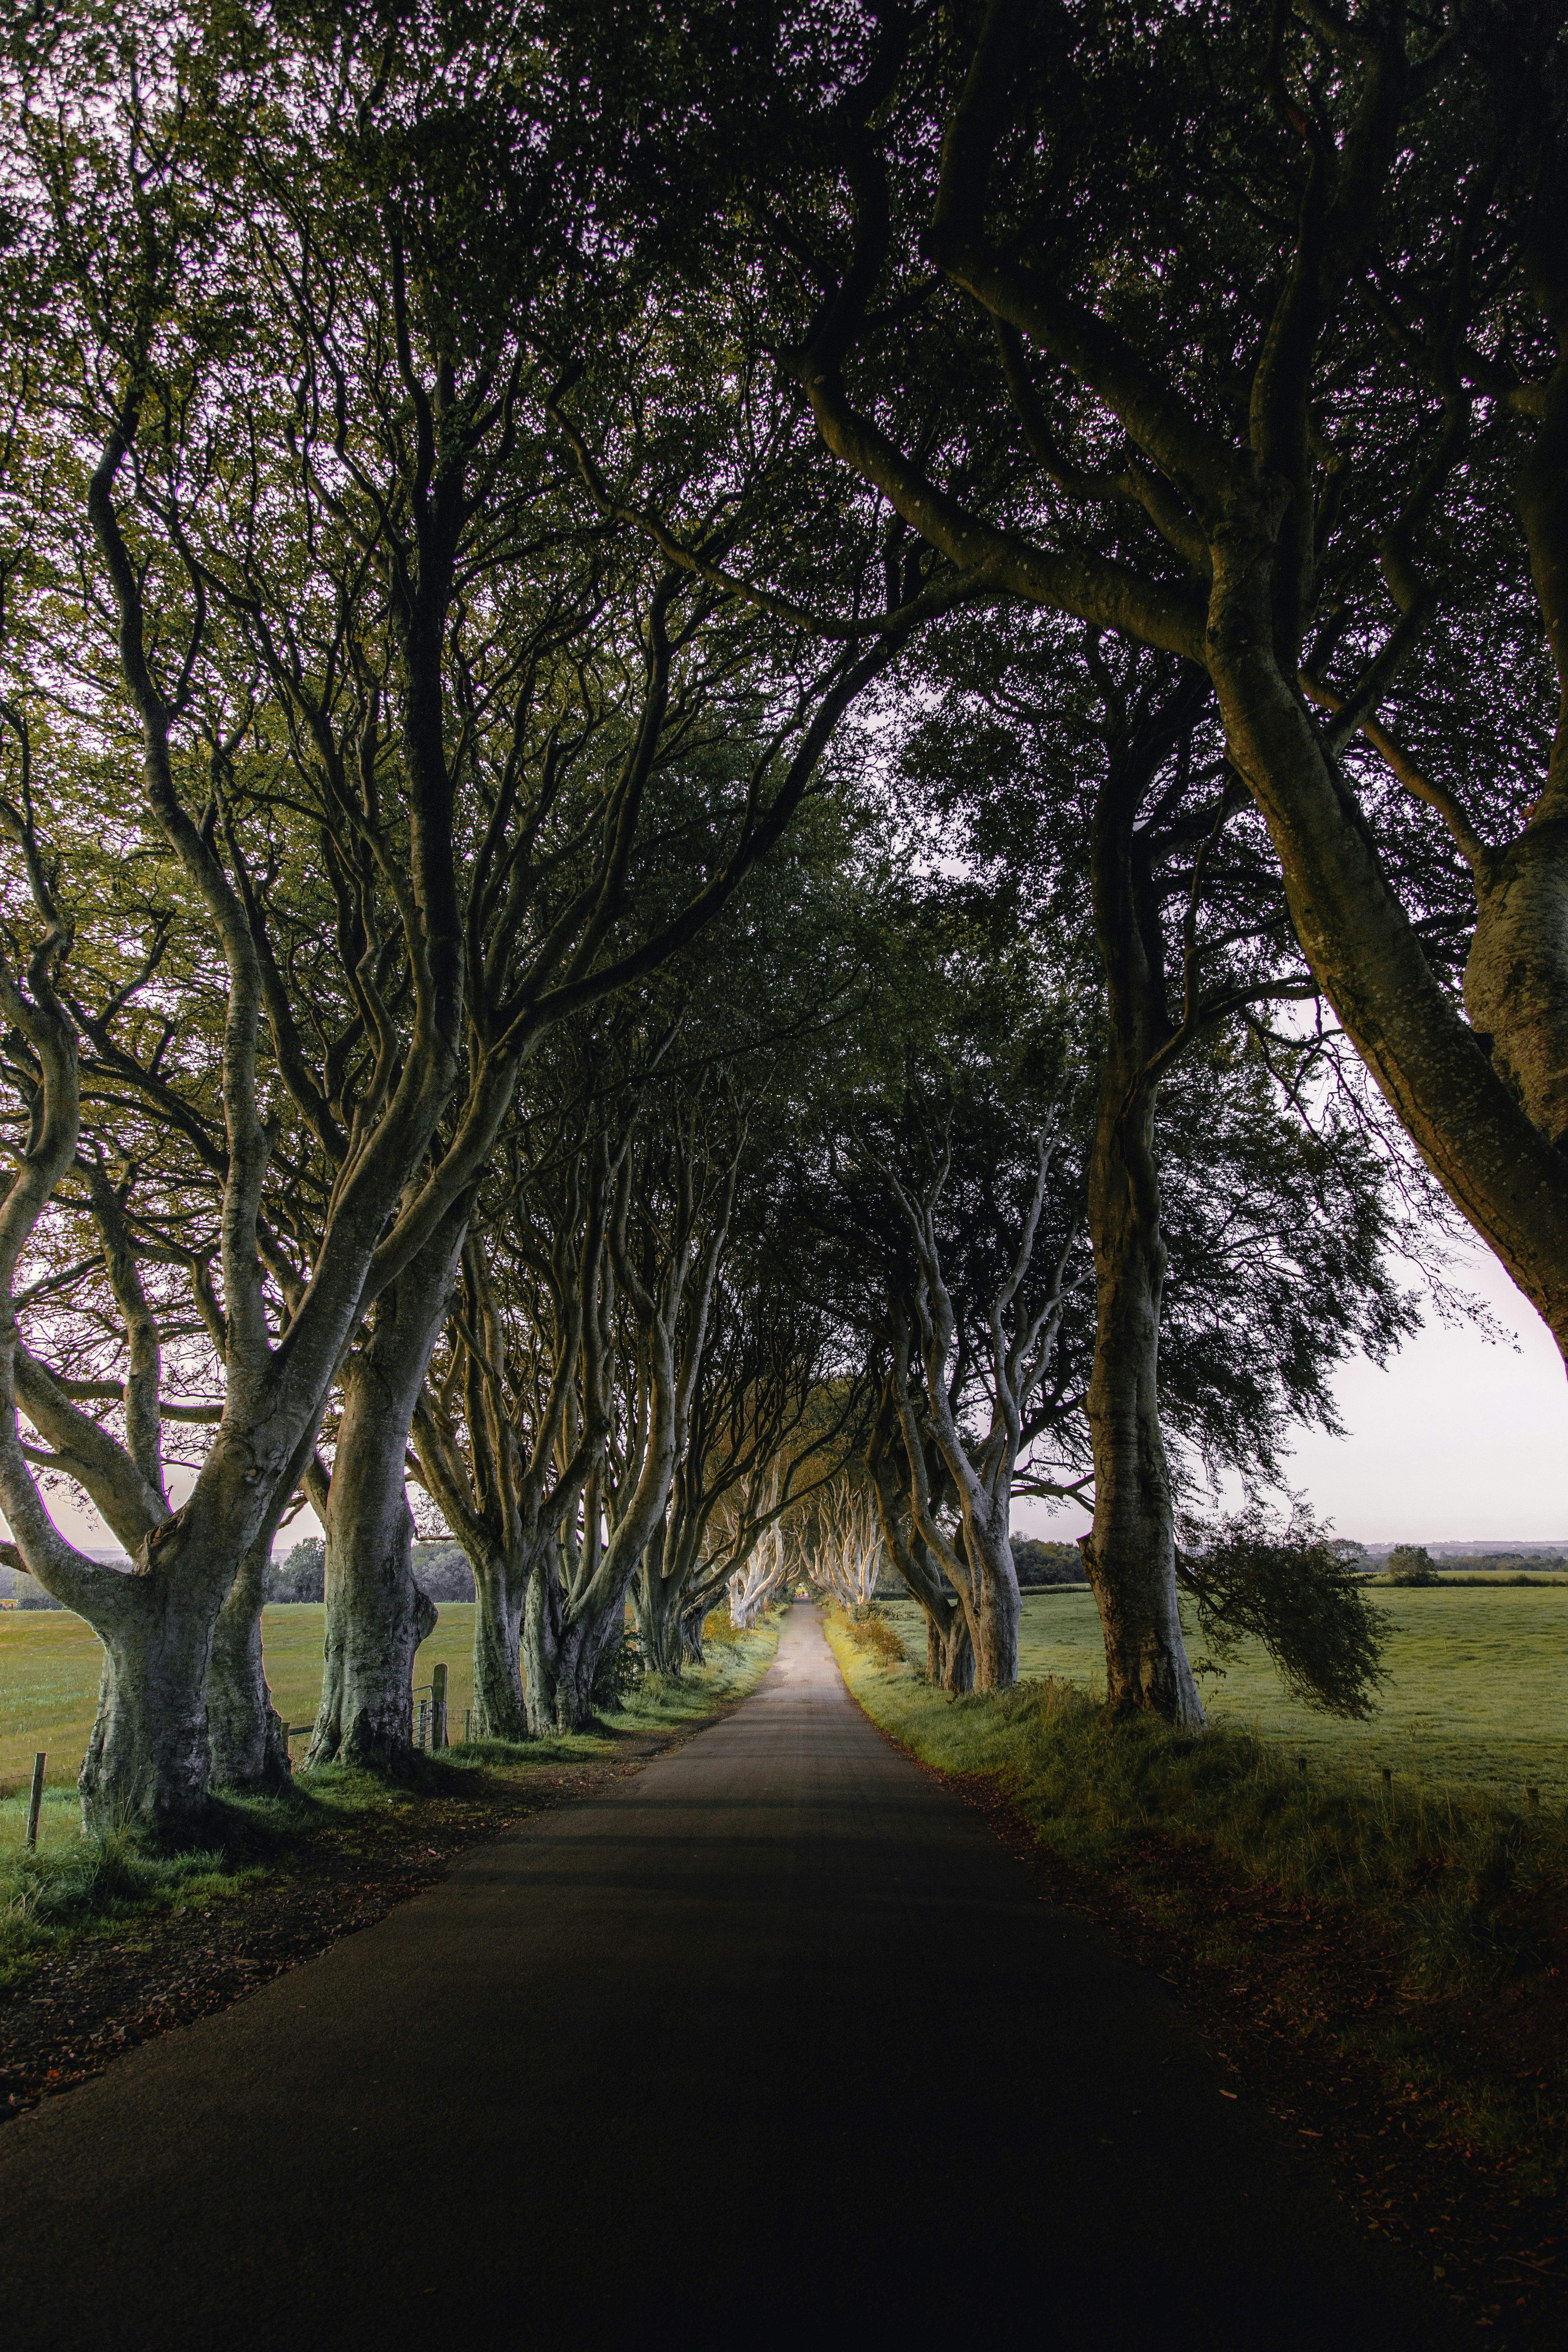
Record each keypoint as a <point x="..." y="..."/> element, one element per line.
<point x="147" y="1759"/>
<point x="376" y="1614"/>
<point x="656" y="1600"/>
<point x="501" y="1590"/>
<point x="245" y="1732"/>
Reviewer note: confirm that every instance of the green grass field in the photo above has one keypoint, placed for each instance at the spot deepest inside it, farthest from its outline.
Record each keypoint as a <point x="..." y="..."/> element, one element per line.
<point x="1478" y="1696"/>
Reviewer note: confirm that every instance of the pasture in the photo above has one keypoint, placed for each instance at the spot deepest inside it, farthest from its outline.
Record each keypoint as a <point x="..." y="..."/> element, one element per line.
<point x="1476" y="1699"/>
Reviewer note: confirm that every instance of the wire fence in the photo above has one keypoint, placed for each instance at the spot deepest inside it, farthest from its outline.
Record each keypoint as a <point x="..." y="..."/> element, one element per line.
<point x="429" y="1725"/>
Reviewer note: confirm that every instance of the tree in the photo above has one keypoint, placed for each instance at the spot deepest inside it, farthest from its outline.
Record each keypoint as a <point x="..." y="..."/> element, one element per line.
<point x="1091" y="781"/>
<point x="1411" y="1564"/>
<point x="310" y="528"/>
<point x="1234" y="333"/>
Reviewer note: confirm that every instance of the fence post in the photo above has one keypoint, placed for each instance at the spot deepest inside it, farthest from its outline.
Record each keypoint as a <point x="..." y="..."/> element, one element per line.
<point x="437" y="1706"/>
<point x="34" y="1801"/>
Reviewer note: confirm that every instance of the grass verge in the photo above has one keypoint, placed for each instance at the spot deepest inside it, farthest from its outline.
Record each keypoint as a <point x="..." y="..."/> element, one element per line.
<point x="1384" y="1965"/>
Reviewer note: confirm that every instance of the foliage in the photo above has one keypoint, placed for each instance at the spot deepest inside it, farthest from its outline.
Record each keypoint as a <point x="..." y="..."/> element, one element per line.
<point x="1411" y="1564"/>
<point x="302" y="1574"/>
<point x="620" y="1671"/>
<point x="719" y="1629"/>
<point x="869" y="1631"/>
<point x="1301" y="1593"/>
<point x="1047" y="1563"/>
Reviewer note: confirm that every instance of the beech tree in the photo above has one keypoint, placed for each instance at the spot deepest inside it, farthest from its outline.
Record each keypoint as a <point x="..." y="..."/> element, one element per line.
<point x="850" y="1553"/>
<point x="1172" y="886"/>
<point x="307" y="551"/>
<point x="1237" y="332"/>
<point x="768" y="1565"/>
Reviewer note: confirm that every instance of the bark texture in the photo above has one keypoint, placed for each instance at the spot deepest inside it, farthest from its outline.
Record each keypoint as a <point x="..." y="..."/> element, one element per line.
<point x="1131" y="1554"/>
<point x="376" y="1615"/>
<point x="949" y="1643"/>
<point x="501" y="1592"/>
<point x="245" y="1732"/>
<point x="1130" y="1551"/>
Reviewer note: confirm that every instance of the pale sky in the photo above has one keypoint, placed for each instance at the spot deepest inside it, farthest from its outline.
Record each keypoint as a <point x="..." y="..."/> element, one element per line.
<point x="1457" y="1441"/>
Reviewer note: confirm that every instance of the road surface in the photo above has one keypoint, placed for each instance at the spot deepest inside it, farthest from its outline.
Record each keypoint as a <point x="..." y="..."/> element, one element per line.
<point x="773" y="2042"/>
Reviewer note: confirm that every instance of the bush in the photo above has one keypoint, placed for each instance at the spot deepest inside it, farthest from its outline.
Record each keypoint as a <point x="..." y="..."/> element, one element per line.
<point x="619" y="1672"/>
<point x="1411" y="1564"/>
<point x="869" y="1631"/>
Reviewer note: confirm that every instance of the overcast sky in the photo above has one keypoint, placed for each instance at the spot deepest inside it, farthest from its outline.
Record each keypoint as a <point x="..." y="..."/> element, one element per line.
<point x="1457" y="1441"/>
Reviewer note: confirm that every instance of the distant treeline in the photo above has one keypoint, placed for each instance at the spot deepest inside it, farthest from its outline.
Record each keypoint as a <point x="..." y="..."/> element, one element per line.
<point x="440" y="1571"/>
<point x="18" y="1591"/>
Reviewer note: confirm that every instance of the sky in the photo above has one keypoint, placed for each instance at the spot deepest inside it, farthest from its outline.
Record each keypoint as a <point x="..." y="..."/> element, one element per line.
<point x="1458" y="1441"/>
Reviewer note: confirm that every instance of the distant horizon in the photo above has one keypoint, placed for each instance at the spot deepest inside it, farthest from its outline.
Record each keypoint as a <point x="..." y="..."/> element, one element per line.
<point x="106" y="1553"/>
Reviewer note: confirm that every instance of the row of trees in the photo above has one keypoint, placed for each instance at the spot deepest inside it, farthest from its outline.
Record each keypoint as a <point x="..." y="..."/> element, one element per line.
<point x="551" y="950"/>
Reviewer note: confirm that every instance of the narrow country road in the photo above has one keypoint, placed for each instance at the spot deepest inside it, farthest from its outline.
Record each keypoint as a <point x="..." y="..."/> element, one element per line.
<point x="774" y="2043"/>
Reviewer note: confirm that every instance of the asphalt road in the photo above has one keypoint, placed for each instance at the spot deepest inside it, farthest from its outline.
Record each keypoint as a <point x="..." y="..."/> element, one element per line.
<point x="773" y="2043"/>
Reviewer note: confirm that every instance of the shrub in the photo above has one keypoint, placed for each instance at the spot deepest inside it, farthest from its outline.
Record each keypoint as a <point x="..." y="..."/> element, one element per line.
<point x="619" y="1673"/>
<point x="1411" y="1564"/>
<point x="869" y="1631"/>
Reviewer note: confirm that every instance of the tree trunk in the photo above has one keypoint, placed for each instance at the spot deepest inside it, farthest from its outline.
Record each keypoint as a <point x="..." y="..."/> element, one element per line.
<point x="1131" y="1554"/>
<point x="245" y="1733"/>
<point x="950" y="1646"/>
<point x="996" y="1597"/>
<point x="692" y="1626"/>
<point x="949" y="1652"/>
<point x="561" y="1657"/>
<point x="501" y="1590"/>
<point x="656" y="1599"/>
<point x="376" y="1615"/>
<point x="148" y="1757"/>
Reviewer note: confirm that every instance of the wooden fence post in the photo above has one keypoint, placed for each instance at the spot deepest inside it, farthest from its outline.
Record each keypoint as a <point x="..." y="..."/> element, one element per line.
<point x="35" y="1802"/>
<point x="437" y="1706"/>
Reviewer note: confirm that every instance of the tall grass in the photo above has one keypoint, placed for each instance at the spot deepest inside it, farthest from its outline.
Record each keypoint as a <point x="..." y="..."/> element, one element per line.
<point x="1448" y="1878"/>
<point x="96" y="1880"/>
